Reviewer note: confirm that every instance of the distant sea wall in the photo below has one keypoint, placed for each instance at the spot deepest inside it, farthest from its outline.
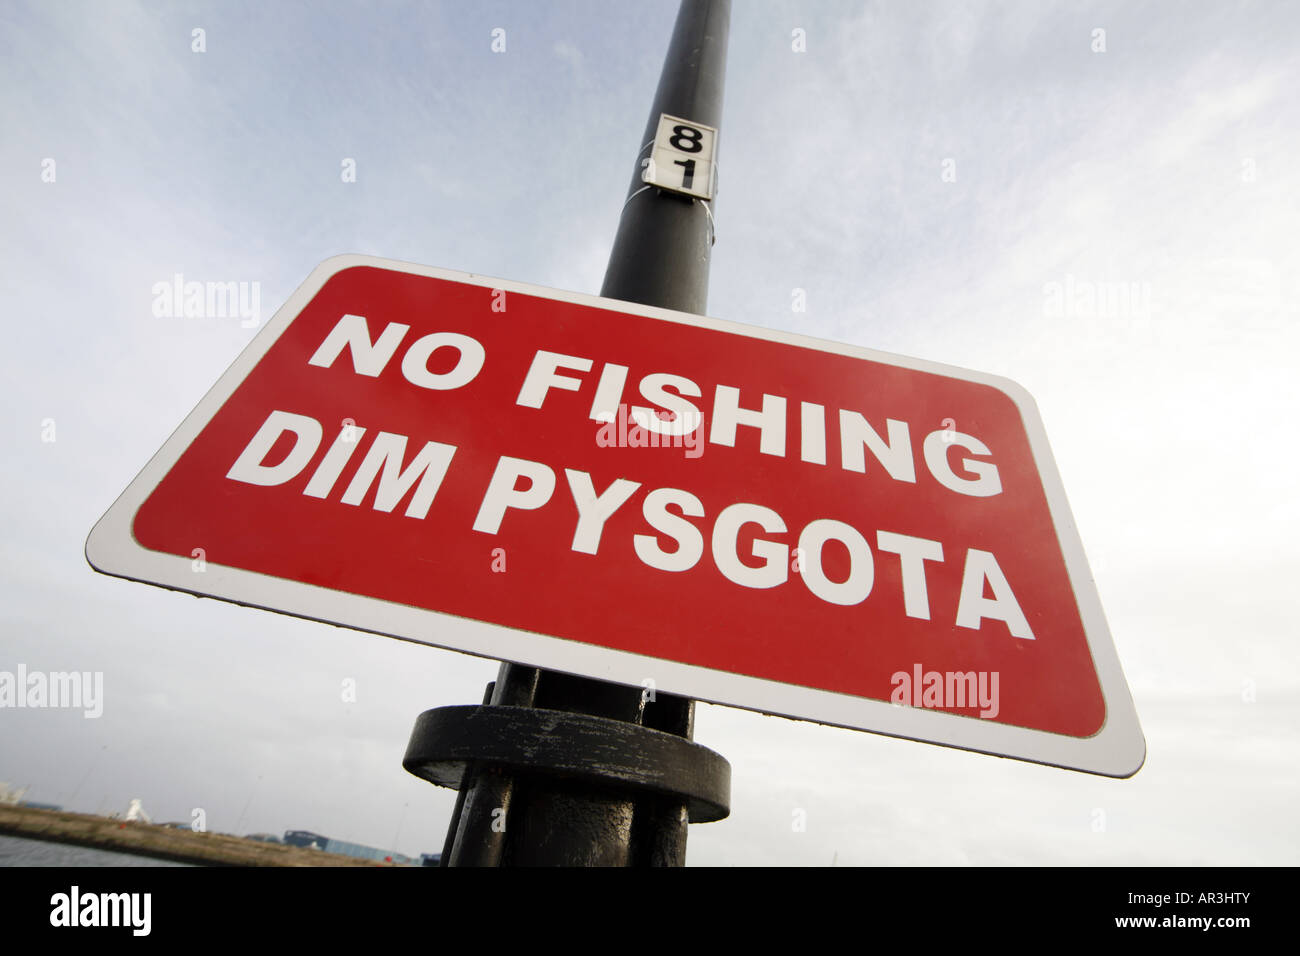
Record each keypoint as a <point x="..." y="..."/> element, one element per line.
<point x="167" y="843"/>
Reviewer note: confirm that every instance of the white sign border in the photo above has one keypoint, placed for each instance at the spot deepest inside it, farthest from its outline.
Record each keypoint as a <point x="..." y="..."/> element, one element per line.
<point x="1117" y="750"/>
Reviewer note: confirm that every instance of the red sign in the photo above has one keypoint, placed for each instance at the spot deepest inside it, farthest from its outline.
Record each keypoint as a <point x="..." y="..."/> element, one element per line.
<point x="637" y="495"/>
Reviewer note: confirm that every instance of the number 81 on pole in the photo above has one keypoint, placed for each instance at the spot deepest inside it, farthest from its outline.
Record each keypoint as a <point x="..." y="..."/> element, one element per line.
<point x="682" y="157"/>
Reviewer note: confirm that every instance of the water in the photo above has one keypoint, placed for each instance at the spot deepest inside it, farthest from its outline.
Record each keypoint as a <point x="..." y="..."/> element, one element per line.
<point x="19" y="851"/>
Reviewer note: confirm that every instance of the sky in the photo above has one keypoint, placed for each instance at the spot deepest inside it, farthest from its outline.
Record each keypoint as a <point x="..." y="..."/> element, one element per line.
<point x="959" y="182"/>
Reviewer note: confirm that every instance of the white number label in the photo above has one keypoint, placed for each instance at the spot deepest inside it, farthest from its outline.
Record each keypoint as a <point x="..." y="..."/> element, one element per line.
<point x="681" y="159"/>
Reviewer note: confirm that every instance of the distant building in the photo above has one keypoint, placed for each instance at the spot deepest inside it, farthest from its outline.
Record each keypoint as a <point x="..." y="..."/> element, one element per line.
<point x="307" y="838"/>
<point x="11" y="796"/>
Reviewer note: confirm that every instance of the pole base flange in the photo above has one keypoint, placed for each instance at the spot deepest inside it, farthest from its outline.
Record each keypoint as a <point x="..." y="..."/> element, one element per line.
<point x="556" y="743"/>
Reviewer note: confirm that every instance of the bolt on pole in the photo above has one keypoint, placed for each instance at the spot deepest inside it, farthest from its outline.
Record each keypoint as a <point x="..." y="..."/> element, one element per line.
<point x="561" y="770"/>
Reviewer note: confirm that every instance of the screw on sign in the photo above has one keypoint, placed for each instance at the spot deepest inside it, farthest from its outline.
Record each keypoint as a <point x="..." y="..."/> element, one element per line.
<point x="752" y="517"/>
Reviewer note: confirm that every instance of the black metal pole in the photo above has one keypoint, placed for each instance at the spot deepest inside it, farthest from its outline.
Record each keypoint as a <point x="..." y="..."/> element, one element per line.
<point x="664" y="242"/>
<point x="560" y="770"/>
